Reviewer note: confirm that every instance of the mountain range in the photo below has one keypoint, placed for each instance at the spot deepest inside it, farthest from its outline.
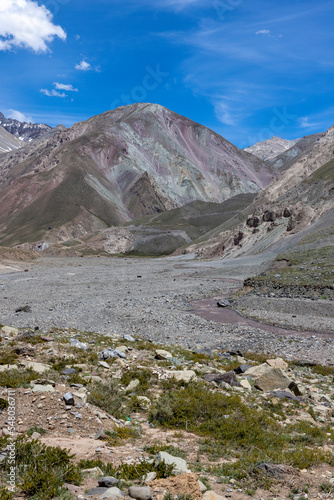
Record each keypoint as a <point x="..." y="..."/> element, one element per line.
<point x="134" y="161"/>
<point x="146" y="180"/>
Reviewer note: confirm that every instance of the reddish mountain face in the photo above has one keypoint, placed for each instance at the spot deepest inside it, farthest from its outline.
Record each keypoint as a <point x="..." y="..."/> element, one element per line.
<point x="123" y="164"/>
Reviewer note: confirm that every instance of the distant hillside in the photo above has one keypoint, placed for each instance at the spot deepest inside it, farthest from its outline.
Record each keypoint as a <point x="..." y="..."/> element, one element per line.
<point x="128" y="163"/>
<point x="269" y="149"/>
<point x="23" y="131"/>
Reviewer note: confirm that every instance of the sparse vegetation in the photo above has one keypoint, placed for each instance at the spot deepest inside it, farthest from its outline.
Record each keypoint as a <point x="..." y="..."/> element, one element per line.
<point x="16" y="378"/>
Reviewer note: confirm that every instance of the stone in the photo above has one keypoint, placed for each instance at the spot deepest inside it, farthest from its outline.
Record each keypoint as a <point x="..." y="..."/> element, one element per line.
<point x="228" y="378"/>
<point x="144" y="402"/>
<point x="150" y="476"/>
<point x="132" y="385"/>
<point x="68" y="399"/>
<point x="109" y="353"/>
<point x="69" y="371"/>
<point x="96" y="491"/>
<point x="211" y="495"/>
<point x="108" y="481"/>
<point x="94" y="472"/>
<point x="78" y="344"/>
<point x="162" y="355"/>
<point x="35" y="435"/>
<point x="140" y="492"/>
<point x="9" y="330"/>
<point x="104" y="364"/>
<point x="37" y="367"/>
<point x="245" y="384"/>
<point x="122" y="348"/>
<point x="202" y="486"/>
<point x="275" y="378"/>
<point x="242" y="368"/>
<point x="184" y="375"/>
<point x="285" y="394"/>
<point x="180" y="465"/>
<point x="277" y="363"/>
<point x="24" y="350"/>
<point x="113" y="492"/>
<point x="4" y="368"/>
<point x="25" y="309"/>
<point x="257" y="371"/>
<point x="223" y="303"/>
<point x="100" y="435"/>
<point x="297" y="389"/>
<point x="72" y="488"/>
<point x="42" y="388"/>
<point x="129" y="338"/>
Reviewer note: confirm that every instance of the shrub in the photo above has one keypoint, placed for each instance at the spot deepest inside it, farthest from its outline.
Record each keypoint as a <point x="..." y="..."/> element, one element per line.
<point x="107" y="396"/>
<point x="17" y="378"/>
<point x="42" y="470"/>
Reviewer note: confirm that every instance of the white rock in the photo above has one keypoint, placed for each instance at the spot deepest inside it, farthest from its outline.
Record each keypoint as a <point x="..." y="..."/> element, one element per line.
<point x="113" y="492"/>
<point x="161" y="354"/>
<point x="245" y="383"/>
<point x="42" y="388"/>
<point x="9" y="330"/>
<point x="185" y="375"/>
<point x="278" y="363"/>
<point x="37" y="367"/>
<point x="180" y="465"/>
<point x="132" y="385"/>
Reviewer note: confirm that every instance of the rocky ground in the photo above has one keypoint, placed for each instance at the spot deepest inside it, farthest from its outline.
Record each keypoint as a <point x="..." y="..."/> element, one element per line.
<point x="65" y="405"/>
<point x="152" y="298"/>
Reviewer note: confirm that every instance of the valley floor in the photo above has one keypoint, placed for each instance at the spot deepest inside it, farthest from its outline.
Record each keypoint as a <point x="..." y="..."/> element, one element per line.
<point x="151" y="298"/>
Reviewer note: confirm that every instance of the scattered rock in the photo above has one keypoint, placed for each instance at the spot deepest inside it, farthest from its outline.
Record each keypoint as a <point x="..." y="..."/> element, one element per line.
<point x="184" y="375"/>
<point x="180" y="465"/>
<point x="113" y="492"/>
<point x="140" y="492"/>
<point x="186" y="484"/>
<point x="42" y="388"/>
<point x="277" y="363"/>
<point x="8" y="330"/>
<point x="78" y="344"/>
<point x="111" y="353"/>
<point x="69" y="371"/>
<point x="228" y="377"/>
<point x="108" y="481"/>
<point x="211" y="495"/>
<point x="163" y="355"/>
<point x="25" y="309"/>
<point x="37" y="367"/>
<point x="275" y="378"/>
<point x="242" y="369"/>
<point x="223" y="303"/>
<point x="68" y="399"/>
<point x="132" y="385"/>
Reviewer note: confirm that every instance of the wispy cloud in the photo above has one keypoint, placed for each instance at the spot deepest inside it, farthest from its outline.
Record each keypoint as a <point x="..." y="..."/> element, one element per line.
<point x="263" y="32"/>
<point x="53" y="93"/>
<point x="17" y="115"/>
<point x="64" y="86"/>
<point x="83" y="66"/>
<point x="25" y="24"/>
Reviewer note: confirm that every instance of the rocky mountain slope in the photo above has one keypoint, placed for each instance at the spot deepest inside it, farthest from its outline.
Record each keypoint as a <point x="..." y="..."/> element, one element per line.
<point x="284" y="160"/>
<point x="269" y="149"/>
<point x="8" y="142"/>
<point x="298" y="203"/>
<point x="134" y="161"/>
<point x="23" y="131"/>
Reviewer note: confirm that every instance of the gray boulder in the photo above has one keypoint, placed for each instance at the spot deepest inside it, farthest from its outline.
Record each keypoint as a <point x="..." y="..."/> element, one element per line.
<point x="229" y="378"/>
<point x="140" y="492"/>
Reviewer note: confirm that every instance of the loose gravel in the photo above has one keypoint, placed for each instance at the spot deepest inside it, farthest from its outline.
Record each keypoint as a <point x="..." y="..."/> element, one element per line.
<point x="148" y="298"/>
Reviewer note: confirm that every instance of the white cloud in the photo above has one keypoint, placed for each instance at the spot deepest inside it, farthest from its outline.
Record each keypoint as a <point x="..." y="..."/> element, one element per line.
<point x="263" y="32"/>
<point x="83" y="66"/>
<point x="53" y="93"/>
<point x="64" y="86"/>
<point x="223" y="113"/>
<point x="25" y="24"/>
<point x="17" y="115"/>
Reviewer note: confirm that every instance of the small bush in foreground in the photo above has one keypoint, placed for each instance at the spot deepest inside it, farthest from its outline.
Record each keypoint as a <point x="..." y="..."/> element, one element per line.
<point x="107" y="396"/>
<point x="128" y="472"/>
<point x="17" y="378"/>
<point x="42" y="470"/>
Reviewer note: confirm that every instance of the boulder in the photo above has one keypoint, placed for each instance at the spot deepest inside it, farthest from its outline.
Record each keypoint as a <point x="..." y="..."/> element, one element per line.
<point x="184" y="375"/>
<point x="132" y="385"/>
<point x="180" y="466"/>
<point x="277" y="363"/>
<point x="108" y="481"/>
<point x="257" y="371"/>
<point x="245" y="384"/>
<point x="37" y="367"/>
<point x="242" y="369"/>
<point x="275" y="378"/>
<point x="68" y="399"/>
<point x="9" y="330"/>
<point x="42" y="388"/>
<point x="228" y="377"/>
<point x="109" y="353"/>
<point x="113" y="492"/>
<point x="5" y="368"/>
<point x="140" y="492"/>
<point x="162" y="355"/>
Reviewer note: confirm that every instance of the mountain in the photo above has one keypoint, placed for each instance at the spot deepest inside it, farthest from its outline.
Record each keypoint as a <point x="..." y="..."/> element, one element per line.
<point x="8" y="142"/>
<point x="131" y="162"/>
<point x="303" y="146"/>
<point x="269" y="149"/>
<point x="298" y="203"/>
<point x="23" y="131"/>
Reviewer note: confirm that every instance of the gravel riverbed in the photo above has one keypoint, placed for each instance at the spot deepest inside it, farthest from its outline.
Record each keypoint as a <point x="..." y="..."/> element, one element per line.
<point x="150" y="298"/>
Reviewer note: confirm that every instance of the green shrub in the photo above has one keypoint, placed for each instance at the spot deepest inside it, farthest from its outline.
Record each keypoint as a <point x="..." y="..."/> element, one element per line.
<point x="42" y="470"/>
<point x="144" y="375"/>
<point x="3" y="404"/>
<point x="35" y="428"/>
<point x="107" y="396"/>
<point x="8" y="357"/>
<point x="17" y="378"/>
<point x="5" y="494"/>
<point x="129" y="471"/>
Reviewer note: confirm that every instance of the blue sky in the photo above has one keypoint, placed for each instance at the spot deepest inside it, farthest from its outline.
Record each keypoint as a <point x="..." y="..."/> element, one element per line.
<point x="247" y="69"/>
